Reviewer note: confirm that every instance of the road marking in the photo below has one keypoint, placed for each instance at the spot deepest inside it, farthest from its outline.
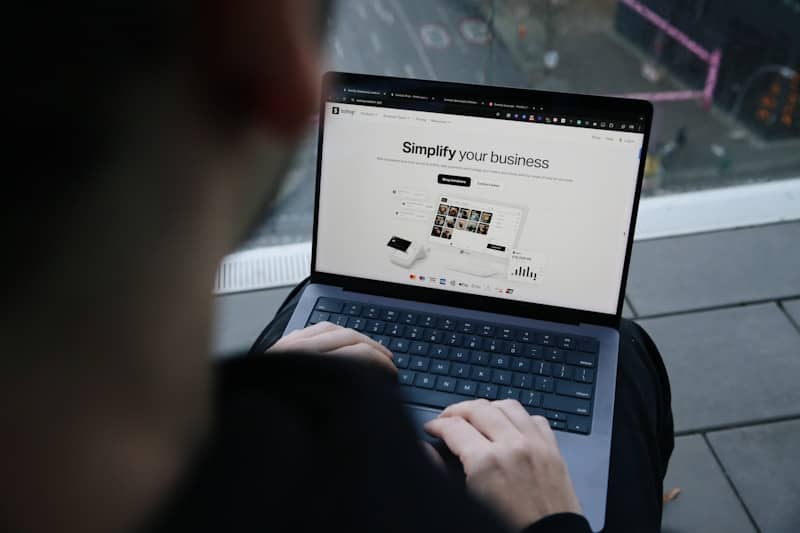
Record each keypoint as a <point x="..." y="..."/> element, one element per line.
<point x="426" y="62"/>
<point x="384" y="14"/>
<point x="409" y="70"/>
<point x="434" y="36"/>
<point x="361" y="10"/>
<point x="480" y="76"/>
<point x="376" y="42"/>
<point x="338" y="47"/>
<point x="475" y="31"/>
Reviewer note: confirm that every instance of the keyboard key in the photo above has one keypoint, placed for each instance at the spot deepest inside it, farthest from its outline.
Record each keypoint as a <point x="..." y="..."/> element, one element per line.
<point x="479" y="358"/>
<point x="459" y="354"/>
<point x="500" y="361"/>
<point x="426" y="381"/>
<point x="488" y="391"/>
<point x="533" y="351"/>
<point x="508" y="393"/>
<point x="492" y="345"/>
<point x="466" y="326"/>
<point x="576" y="390"/>
<point x="439" y="351"/>
<point x="486" y="330"/>
<point x="530" y="399"/>
<point x="525" y="335"/>
<point x="419" y="363"/>
<point x="558" y="424"/>
<point x="584" y="375"/>
<point x="519" y="364"/>
<point x="434" y="336"/>
<point x="381" y="339"/>
<point x="447" y="324"/>
<point x="523" y="381"/>
<point x="545" y="339"/>
<point x="541" y="367"/>
<point x="446" y="384"/>
<point x="356" y="323"/>
<point x="578" y="424"/>
<point x="389" y="315"/>
<point x="544" y="384"/>
<point x="352" y="309"/>
<point x="567" y="405"/>
<point x="588" y="345"/>
<point x="501" y="377"/>
<point x="395" y="329"/>
<point x="473" y="342"/>
<point x="408" y="318"/>
<point x="398" y="345"/>
<point x="582" y="359"/>
<point x="554" y="354"/>
<point x="401" y="360"/>
<point x="375" y="326"/>
<point x="553" y="415"/>
<point x="430" y="397"/>
<point x="371" y="311"/>
<point x="452" y="339"/>
<point x="466" y="388"/>
<point x="512" y="347"/>
<point x="480" y="373"/>
<point x="418" y="348"/>
<point x="567" y="342"/>
<point x="319" y="316"/>
<point x="459" y="370"/>
<point x="405" y="377"/>
<point x="561" y="371"/>
<point x="339" y="320"/>
<point x="414" y="332"/>
<point x="329" y="305"/>
<point x="426" y="321"/>
<point x="440" y="367"/>
<point x="506" y="333"/>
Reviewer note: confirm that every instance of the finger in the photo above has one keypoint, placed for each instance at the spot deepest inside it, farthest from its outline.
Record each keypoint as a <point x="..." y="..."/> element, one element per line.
<point x="486" y="418"/>
<point x="310" y="331"/>
<point x="367" y="353"/>
<point x="516" y="413"/>
<point x="332" y="340"/>
<point x="460" y="436"/>
<point x="541" y="427"/>
<point x="360" y="337"/>
<point x="466" y="403"/>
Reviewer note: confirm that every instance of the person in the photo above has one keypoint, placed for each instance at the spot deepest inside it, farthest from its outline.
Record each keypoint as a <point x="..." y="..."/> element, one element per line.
<point x="147" y="137"/>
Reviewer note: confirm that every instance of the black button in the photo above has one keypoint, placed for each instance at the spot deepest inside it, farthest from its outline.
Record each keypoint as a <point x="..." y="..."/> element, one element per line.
<point x="330" y="305"/>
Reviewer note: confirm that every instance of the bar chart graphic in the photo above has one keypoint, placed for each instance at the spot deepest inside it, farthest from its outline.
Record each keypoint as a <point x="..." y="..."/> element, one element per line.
<point x="525" y="266"/>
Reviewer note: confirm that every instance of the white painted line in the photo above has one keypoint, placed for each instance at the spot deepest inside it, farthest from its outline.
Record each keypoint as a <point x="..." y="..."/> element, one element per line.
<point x="361" y="11"/>
<point x="412" y="35"/>
<point x="376" y="42"/>
<point x="719" y="209"/>
<point x="338" y="47"/>
<point x="409" y="70"/>
<point x="384" y="14"/>
<point x="263" y="268"/>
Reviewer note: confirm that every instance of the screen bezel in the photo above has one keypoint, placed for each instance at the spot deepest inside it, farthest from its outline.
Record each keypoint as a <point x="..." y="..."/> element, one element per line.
<point x="565" y="103"/>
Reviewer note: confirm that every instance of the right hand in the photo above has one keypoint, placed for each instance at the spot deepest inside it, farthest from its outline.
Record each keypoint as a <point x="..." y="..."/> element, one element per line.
<point x="511" y="459"/>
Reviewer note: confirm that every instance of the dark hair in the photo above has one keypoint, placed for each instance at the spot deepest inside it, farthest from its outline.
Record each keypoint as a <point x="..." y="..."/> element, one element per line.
<point x="68" y="63"/>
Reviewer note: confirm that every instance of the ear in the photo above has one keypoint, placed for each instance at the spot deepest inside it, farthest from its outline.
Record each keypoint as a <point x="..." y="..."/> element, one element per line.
<point x="266" y="51"/>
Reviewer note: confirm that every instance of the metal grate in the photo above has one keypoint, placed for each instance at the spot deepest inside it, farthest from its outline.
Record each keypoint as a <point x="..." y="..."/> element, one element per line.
<point x="263" y="268"/>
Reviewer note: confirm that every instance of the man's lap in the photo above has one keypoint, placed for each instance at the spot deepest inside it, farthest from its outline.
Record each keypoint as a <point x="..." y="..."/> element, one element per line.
<point x="641" y="441"/>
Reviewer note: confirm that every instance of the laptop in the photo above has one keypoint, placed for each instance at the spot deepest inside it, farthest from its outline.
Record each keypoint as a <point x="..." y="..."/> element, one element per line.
<point x="483" y="234"/>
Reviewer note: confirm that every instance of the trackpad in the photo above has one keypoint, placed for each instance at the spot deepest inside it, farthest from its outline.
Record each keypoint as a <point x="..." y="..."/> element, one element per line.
<point x="419" y="416"/>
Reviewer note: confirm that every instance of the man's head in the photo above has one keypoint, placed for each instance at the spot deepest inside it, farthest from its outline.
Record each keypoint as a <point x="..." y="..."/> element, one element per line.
<point x="147" y="137"/>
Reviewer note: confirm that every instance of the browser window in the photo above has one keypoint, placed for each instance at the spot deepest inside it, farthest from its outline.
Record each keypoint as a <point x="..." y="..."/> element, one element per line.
<point x="534" y="209"/>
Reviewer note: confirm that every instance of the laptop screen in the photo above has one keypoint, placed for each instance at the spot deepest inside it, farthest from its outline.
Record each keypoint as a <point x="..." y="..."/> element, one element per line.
<point x="484" y="195"/>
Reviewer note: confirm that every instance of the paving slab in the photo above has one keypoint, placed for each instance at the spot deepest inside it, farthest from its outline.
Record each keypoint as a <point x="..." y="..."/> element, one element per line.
<point x="793" y="309"/>
<point x="707" y="502"/>
<point x="729" y="366"/>
<point x="762" y="462"/>
<point x="715" y="269"/>
<point x="240" y="317"/>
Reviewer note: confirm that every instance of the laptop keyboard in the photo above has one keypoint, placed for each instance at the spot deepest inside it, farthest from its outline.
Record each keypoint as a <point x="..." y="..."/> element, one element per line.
<point x="443" y="360"/>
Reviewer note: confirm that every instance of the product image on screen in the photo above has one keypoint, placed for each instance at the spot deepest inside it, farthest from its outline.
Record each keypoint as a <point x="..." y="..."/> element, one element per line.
<point x="399" y="244"/>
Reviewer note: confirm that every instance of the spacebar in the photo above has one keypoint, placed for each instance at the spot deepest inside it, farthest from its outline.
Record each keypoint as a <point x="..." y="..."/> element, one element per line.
<point x="431" y="398"/>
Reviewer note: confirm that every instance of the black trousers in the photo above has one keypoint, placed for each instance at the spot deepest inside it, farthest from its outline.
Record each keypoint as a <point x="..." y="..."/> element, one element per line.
<point x="642" y="438"/>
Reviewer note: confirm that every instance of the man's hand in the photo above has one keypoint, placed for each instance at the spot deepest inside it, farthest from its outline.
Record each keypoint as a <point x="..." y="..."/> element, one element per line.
<point x="328" y="338"/>
<point x="510" y="458"/>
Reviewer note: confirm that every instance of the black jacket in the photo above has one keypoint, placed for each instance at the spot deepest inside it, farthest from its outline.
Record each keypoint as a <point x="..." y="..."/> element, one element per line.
<point x="312" y="443"/>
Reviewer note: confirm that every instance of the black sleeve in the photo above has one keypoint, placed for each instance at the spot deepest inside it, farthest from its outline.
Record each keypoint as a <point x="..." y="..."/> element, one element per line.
<point x="313" y="443"/>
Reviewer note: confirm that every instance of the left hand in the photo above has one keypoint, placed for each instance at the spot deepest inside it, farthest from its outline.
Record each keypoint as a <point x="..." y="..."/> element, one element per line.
<point x="328" y="338"/>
